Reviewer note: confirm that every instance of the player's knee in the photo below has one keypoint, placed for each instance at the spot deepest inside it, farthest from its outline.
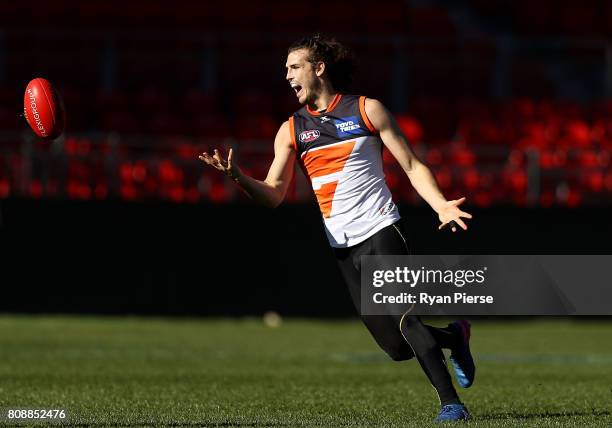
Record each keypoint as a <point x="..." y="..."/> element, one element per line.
<point x="409" y="322"/>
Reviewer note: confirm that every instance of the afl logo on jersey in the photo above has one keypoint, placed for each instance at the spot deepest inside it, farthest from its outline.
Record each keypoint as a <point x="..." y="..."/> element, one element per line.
<point x="308" y="136"/>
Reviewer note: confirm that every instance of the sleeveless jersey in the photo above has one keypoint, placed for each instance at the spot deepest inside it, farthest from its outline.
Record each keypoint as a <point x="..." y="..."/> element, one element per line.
<point x="341" y="153"/>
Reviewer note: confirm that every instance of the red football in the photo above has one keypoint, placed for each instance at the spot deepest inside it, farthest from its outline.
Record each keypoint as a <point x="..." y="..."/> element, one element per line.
<point x="43" y="109"/>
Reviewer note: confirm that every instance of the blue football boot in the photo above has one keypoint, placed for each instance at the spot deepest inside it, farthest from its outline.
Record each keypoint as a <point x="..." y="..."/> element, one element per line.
<point x="461" y="357"/>
<point x="453" y="413"/>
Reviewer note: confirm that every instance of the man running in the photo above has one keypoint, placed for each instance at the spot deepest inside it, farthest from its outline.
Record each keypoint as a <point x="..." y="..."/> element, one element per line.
<point x="337" y="140"/>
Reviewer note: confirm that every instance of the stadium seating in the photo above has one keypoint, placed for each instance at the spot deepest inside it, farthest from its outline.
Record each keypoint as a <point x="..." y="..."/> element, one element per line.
<point x="147" y="92"/>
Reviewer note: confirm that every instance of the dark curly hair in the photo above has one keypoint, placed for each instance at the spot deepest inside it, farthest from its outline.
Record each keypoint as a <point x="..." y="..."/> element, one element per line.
<point x="338" y="59"/>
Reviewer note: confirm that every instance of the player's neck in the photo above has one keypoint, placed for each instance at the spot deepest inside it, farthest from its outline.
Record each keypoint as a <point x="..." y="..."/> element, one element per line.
<point x="323" y="100"/>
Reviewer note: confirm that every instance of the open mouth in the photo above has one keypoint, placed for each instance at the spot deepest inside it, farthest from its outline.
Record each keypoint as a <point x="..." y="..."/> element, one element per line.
<point x="297" y="89"/>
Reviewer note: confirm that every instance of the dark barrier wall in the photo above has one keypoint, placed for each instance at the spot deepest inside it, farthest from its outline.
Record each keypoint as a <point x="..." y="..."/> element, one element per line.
<point x="60" y="256"/>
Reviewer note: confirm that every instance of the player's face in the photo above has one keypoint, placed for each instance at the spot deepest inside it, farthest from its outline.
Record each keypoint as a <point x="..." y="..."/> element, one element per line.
<point x="302" y="76"/>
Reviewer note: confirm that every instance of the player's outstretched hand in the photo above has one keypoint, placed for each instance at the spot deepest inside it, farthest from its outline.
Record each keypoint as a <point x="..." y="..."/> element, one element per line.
<point x="226" y="166"/>
<point x="451" y="215"/>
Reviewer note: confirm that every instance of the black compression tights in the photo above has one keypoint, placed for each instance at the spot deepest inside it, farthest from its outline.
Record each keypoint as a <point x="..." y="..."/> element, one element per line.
<point x="400" y="337"/>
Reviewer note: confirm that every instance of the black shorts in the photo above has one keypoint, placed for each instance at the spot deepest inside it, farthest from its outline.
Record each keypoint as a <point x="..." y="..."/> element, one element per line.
<point x="384" y="328"/>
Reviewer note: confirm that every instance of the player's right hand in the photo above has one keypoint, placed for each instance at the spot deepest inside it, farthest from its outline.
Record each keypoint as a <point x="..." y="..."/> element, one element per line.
<point x="226" y="166"/>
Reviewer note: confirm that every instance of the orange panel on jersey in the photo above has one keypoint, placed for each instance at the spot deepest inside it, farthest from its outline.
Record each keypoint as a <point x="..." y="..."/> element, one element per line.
<point x="325" y="196"/>
<point x="327" y="160"/>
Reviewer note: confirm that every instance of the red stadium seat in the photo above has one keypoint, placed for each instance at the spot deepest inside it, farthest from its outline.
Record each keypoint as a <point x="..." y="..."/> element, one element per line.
<point x="411" y="128"/>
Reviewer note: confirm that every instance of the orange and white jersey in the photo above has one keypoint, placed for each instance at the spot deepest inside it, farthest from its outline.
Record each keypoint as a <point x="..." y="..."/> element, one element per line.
<point x="341" y="153"/>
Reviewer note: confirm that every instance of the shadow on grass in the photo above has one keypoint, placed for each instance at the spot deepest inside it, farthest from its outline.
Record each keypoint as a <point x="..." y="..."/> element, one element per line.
<point x="174" y="424"/>
<point x="541" y="415"/>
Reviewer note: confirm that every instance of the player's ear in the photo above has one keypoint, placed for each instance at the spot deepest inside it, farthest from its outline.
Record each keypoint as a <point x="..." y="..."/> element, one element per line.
<point x="319" y="68"/>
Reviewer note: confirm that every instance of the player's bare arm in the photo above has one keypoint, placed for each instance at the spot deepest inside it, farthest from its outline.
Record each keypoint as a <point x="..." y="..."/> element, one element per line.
<point x="419" y="174"/>
<point x="271" y="191"/>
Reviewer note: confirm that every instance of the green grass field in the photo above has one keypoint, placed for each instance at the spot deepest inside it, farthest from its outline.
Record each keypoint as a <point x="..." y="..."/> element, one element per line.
<point x="156" y="372"/>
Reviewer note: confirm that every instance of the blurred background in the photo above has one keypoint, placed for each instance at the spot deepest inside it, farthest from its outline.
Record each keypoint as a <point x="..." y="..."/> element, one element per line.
<point x="509" y="103"/>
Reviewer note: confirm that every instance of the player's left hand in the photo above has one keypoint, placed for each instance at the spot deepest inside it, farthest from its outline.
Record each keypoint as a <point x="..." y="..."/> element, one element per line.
<point x="450" y="214"/>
